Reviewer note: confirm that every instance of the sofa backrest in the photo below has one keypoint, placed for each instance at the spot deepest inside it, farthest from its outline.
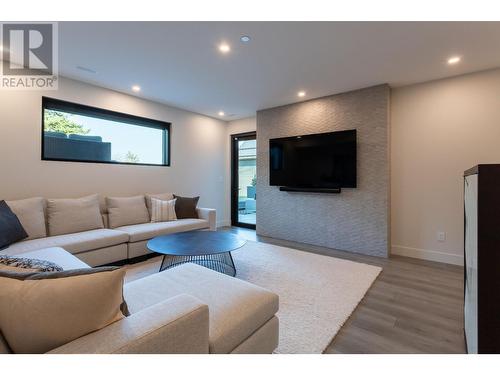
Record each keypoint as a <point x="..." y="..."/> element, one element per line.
<point x="32" y="213"/>
<point x="102" y="206"/>
<point x="72" y="215"/>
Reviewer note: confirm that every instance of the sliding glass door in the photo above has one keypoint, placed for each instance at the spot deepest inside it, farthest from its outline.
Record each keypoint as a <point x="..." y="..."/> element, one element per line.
<point x="244" y="179"/>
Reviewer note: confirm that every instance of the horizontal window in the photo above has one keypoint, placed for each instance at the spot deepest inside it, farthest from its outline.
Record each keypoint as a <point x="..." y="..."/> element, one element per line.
<point x="75" y="132"/>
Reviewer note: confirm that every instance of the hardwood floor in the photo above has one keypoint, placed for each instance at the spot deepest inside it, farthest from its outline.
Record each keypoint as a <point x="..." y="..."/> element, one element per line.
<point x="414" y="306"/>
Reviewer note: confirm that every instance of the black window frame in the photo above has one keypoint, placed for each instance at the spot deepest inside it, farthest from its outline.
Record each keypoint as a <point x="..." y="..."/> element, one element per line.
<point x="105" y="114"/>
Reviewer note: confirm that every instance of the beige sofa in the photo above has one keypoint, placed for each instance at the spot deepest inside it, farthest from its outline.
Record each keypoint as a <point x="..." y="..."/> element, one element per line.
<point x="103" y="246"/>
<point x="187" y="309"/>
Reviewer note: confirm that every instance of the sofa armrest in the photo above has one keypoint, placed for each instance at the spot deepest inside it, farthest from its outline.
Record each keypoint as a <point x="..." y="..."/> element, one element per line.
<point x="208" y="214"/>
<point x="175" y="326"/>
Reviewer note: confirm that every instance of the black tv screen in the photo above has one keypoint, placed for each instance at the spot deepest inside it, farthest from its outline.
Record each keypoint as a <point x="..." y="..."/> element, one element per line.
<point x="326" y="160"/>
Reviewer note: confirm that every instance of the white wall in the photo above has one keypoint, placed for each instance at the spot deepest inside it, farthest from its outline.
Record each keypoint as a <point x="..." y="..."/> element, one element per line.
<point x="197" y="163"/>
<point x="439" y="129"/>
<point x="234" y="127"/>
<point x="242" y="126"/>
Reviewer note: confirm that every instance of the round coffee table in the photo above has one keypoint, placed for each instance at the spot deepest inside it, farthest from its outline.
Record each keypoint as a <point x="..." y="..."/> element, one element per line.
<point x="206" y="248"/>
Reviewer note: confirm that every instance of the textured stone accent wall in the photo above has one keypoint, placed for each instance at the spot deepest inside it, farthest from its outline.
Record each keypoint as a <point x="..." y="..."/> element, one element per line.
<point x="356" y="220"/>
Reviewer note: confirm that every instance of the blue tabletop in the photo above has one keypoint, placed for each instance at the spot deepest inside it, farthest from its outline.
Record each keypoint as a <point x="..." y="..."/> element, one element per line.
<point x="195" y="243"/>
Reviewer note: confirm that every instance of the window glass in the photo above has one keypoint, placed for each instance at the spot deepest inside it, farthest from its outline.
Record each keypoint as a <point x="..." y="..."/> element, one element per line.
<point x="74" y="132"/>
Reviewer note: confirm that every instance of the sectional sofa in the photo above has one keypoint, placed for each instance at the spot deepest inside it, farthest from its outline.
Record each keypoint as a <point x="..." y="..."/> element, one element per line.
<point x="104" y="243"/>
<point x="187" y="309"/>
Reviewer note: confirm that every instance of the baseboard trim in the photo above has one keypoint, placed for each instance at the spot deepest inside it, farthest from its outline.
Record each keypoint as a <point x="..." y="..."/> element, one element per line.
<point x="223" y="223"/>
<point x="436" y="256"/>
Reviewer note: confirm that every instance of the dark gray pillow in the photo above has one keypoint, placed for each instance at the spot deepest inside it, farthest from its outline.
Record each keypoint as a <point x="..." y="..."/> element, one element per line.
<point x="33" y="264"/>
<point x="185" y="208"/>
<point x="11" y="229"/>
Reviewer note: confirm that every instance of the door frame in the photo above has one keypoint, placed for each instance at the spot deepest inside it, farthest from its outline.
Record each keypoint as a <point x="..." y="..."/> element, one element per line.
<point x="234" y="177"/>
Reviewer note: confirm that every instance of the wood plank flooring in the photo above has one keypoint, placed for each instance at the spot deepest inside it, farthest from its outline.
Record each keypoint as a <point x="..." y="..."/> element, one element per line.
<point x="414" y="306"/>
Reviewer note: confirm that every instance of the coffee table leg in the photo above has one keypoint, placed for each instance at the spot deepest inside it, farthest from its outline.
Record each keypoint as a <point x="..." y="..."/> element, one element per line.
<point x="232" y="263"/>
<point x="165" y="264"/>
<point x="222" y="263"/>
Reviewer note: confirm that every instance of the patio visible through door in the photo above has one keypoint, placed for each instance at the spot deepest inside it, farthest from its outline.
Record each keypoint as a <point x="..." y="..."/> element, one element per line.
<point x="244" y="179"/>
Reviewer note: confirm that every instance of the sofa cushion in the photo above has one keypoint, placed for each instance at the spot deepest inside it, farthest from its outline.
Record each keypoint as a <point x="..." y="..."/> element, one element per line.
<point x="236" y="308"/>
<point x="11" y="229"/>
<point x="43" y="310"/>
<point x="74" y="243"/>
<point x="73" y="215"/>
<point x="161" y="196"/>
<point x="31" y="214"/>
<point x="141" y="232"/>
<point x="126" y="211"/>
<point x="59" y="256"/>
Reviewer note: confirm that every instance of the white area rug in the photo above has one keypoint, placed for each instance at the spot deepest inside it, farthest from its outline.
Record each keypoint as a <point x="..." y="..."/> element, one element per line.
<point x="317" y="293"/>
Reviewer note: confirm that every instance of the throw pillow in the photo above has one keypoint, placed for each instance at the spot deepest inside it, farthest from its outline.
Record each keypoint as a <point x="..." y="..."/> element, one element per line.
<point x="162" y="210"/>
<point x="162" y="197"/>
<point x="185" y="208"/>
<point x="127" y="211"/>
<point x="42" y="311"/>
<point x="73" y="215"/>
<point x="11" y="229"/>
<point x="27" y="264"/>
<point x="31" y="214"/>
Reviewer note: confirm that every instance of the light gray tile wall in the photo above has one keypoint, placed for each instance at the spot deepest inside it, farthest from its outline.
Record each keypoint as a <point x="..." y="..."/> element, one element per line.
<point x="356" y="220"/>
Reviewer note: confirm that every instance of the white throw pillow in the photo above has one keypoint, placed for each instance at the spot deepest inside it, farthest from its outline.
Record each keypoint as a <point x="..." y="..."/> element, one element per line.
<point x="162" y="210"/>
<point x="74" y="215"/>
<point x="160" y="196"/>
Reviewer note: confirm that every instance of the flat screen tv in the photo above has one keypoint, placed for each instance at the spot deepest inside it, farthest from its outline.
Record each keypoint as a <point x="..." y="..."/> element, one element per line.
<point x="322" y="161"/>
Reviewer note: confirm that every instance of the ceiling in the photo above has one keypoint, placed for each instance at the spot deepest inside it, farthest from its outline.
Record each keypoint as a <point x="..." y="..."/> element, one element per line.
<point x="179" y="64"/>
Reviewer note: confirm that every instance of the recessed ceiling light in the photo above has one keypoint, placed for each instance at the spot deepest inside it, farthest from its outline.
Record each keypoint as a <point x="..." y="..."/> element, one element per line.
<point x="136" y="88"/>
<point x="454" y="60"/>
<point x="301" y="94"/>
<point x="245" y="38"/>
<point x="221" y="113"/>
<point x="224" y="47"/>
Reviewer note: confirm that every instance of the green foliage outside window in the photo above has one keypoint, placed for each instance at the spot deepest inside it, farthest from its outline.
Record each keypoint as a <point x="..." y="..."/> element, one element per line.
<point x="59" y="122"/>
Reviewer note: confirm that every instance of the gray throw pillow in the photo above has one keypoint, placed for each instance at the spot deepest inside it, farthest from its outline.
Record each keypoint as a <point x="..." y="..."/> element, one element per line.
<point x="185" y="208"/>
<point x="11" y="229"/>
